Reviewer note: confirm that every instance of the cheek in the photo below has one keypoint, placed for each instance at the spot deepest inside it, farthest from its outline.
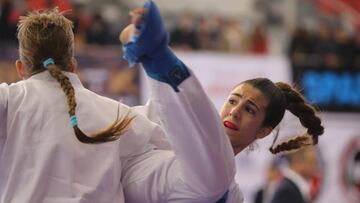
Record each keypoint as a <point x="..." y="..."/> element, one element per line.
<point x="248" y="130"/>
<point x="249" y="127"/>
<point x="223" y="112"/>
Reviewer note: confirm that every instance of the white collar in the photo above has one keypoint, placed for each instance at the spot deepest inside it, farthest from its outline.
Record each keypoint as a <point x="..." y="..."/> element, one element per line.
<point x="299" y="181"/>
<point x="45" y="76"/>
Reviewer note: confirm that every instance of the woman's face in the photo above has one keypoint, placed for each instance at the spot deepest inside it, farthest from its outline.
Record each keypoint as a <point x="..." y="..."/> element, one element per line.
<point x="242" y="115"/>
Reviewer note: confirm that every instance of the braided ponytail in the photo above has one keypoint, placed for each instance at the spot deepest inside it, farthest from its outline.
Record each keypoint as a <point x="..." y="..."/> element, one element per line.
<point x="111" y="133"/>
<point x="47" y="34"/>
<point x="297" y="105"/>
<point x="294" y="143"/>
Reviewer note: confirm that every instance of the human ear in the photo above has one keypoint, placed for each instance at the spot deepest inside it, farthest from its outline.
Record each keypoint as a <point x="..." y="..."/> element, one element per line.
<point x="20" y="70"/>
<point x="263" y="132"/>
<point x="73" y="65"/>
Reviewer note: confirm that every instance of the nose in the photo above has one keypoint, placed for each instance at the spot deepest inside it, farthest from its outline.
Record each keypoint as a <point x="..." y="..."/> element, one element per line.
<point x="235" y="111"/>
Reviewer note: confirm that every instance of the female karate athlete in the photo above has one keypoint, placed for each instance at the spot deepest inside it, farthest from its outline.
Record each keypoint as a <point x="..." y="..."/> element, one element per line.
<point x="253" y="109"/>
<point x="52" y="148"/>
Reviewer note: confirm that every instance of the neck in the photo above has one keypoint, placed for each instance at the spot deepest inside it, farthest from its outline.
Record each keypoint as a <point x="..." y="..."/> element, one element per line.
<point x="238" y="149"/>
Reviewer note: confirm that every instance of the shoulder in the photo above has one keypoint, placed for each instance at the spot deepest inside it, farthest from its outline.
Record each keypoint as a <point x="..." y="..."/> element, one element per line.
<point x="285" y="191"/>
<point x="4" y="95"/>
<point x="4" y="89"/>
<point x="287" y="185"/>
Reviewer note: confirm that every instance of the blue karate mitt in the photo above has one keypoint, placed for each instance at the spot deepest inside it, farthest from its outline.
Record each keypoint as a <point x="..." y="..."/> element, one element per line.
<point x="149" y="46"/>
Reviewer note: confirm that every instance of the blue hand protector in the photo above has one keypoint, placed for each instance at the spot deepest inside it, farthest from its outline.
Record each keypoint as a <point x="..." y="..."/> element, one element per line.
<point x="150" y="47"/>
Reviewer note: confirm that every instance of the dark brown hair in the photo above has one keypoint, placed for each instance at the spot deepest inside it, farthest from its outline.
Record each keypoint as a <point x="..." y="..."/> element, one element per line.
<point x="48" y="34"/>
<point x="281" y="97"/>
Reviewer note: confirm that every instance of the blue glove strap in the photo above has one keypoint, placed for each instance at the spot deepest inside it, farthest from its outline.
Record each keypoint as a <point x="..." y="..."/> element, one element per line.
<point x="164" y="66"/>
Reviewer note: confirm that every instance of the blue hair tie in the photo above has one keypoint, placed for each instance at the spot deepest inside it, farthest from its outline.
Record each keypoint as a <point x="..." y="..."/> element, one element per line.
<point x="73" y="121"/>
<point x="48" y="62"/>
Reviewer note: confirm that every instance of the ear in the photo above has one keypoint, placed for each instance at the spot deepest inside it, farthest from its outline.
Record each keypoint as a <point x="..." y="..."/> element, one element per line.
<point x="263" y="132"/>
<point x="73" y="65"/>
<point x="20" y="69"/>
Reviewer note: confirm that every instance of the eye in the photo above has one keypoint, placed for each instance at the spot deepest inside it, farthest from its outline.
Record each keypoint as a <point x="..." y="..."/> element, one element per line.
<point x="231" y="101"/>
<point x="250" y="110"/>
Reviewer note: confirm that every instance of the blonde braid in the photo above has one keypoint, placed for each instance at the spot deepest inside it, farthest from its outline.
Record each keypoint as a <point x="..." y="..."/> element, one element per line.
<point x="110" y="133"/>
<point x="48" y="35"/>
<point x="65" y="85"/>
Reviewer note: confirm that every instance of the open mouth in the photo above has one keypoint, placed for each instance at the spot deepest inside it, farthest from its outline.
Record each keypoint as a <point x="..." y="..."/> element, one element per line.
<point x="230" y="125"/>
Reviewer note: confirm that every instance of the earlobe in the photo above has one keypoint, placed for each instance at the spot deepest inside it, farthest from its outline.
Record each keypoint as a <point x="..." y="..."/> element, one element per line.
<point x="20" y="69"/>
<point x="73" y="65"/>
<point x="263" y="132"/>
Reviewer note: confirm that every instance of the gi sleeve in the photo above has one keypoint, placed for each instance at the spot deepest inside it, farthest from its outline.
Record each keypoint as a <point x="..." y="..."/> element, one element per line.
<point x="4" y="94"/>
<point x="197" y="136"/>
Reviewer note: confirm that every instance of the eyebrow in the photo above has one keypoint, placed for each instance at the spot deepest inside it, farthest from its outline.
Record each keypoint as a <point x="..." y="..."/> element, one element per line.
<point x="251" y="102"/>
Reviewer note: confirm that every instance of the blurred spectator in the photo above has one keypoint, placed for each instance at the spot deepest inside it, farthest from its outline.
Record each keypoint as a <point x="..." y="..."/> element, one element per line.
<point x="273" y="177"/>
<point x="325" y="47"/>
<point x="98" y="32"/>
<point x="203" y="33"/>
<point x="216" y="33"/>
<point x="259" y="42"/>
<point x="81" y="23"/>
<point x="63" y="5"/>
<point x="8" y="20"/>
<point x="234" y="38"/>
<point x="342" y="48"/>
<point x="301" y="45"/>
<point x="296" y="186"/>
<point x="355" y="58"/>
<point x="183" y="36"/>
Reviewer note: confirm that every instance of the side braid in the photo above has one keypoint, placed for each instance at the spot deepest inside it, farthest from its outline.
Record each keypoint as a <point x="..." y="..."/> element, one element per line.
<point x="306" y="113"/>
<point x="110" y="133"/>
<point x="294" y="143"/>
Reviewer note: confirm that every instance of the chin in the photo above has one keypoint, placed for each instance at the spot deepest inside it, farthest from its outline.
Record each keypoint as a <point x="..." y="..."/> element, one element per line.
<point x="229" y="132"/>
<point x="232" y="136"/>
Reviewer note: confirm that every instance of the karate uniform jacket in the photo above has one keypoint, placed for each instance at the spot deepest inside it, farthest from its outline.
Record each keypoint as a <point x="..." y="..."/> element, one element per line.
<point x="42" y="161"/>
<point x="195" y="162"/>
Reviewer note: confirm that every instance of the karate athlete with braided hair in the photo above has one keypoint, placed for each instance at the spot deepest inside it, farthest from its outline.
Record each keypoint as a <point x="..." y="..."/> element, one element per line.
<point x="200" y="167"/>
<point x="253" y="109"/>
<point x="51" y="126"/>
<point x="60" y="142"/>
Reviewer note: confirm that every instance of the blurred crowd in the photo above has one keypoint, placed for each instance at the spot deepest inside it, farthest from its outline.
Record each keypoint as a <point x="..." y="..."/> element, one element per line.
<point x="89" y="27"/>
<point x="218" y="33"/>
<point x="186" y="32"/>
<point x="327" y="48"/>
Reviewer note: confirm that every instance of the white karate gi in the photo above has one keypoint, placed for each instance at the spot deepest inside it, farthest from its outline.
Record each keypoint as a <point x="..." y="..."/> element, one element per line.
<point x="201" y="167"/>
<point x="41" y="159"/>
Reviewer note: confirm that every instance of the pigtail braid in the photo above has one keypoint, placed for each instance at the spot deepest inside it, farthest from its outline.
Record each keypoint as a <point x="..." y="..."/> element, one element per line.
<point x="110" y="133"/>
<point x="306" y="113"/>
<point x="294" y="143"/>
